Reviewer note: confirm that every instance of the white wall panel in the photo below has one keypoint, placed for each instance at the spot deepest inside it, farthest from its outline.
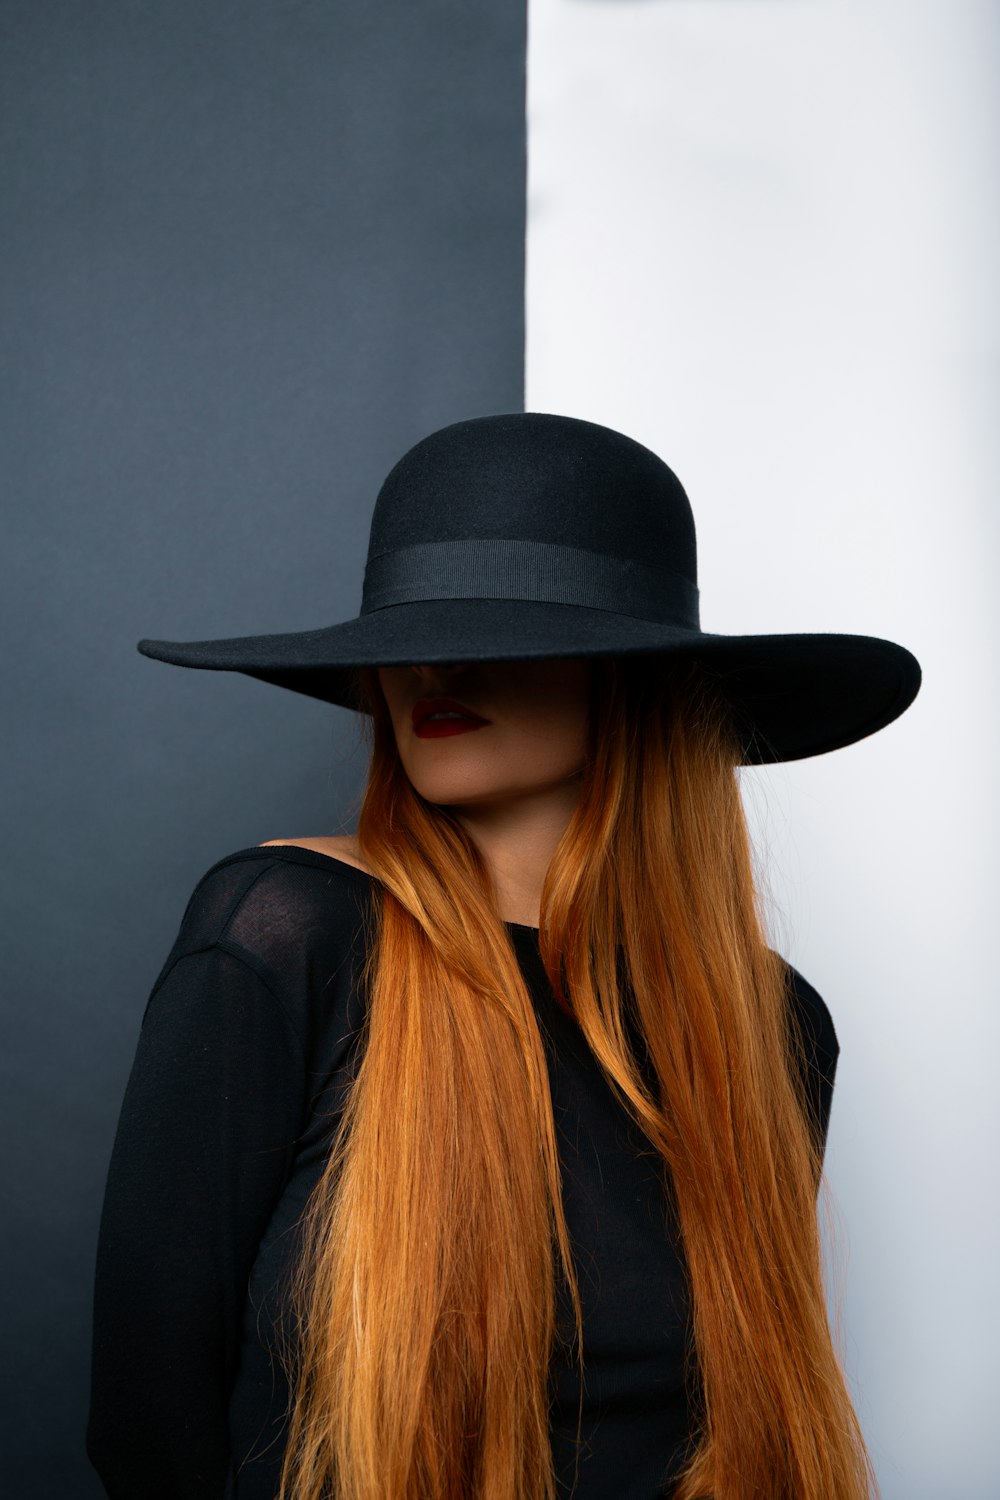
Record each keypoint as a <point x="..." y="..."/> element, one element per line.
<point x="761" y="239"/>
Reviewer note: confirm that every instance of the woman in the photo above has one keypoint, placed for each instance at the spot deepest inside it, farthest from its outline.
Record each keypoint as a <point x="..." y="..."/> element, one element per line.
<point x="478" y="1155"/>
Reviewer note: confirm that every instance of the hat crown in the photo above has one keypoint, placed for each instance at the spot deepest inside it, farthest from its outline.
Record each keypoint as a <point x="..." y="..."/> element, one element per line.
<point x="537" y="477"/>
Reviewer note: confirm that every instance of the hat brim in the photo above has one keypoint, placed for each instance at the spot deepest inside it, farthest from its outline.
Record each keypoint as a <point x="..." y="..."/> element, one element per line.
<point x="799" y="695"/>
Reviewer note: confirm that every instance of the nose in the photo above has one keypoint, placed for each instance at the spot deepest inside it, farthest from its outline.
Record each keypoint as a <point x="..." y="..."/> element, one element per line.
<point x="436" y="672"/>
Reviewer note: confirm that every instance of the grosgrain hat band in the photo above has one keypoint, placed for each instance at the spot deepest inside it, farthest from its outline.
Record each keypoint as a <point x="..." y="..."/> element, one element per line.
<point x="540" y="571"/>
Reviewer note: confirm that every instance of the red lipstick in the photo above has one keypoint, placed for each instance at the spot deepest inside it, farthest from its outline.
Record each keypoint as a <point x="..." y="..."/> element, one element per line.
<point x="457" y="719"/>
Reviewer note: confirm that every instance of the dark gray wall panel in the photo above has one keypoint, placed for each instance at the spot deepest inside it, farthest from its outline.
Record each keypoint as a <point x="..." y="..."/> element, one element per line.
<point x="250" y="253"/>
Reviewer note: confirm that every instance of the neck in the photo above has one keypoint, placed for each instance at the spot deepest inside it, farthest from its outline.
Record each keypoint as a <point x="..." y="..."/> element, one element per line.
<point x="518" y="838"/>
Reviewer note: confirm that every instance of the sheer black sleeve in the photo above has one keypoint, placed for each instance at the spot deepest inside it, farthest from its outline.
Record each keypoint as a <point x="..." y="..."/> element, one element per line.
<point x="205" y="1141"/>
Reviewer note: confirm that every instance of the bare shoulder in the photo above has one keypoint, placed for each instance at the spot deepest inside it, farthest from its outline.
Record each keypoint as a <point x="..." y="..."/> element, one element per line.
<point x="343" y="846"/>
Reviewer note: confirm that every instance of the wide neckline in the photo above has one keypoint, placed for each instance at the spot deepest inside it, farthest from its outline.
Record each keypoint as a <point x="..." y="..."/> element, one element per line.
<point x="342" y="864"/>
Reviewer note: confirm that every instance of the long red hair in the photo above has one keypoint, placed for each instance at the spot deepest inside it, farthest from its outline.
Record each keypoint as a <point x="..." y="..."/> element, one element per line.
<point x="424" y="1299"/>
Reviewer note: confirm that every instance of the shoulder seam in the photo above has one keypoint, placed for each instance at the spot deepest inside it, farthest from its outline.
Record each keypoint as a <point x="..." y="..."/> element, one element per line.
<point x="238" y="903"/>
<point x="238" y="857"/>
<point x="233" y="950"/>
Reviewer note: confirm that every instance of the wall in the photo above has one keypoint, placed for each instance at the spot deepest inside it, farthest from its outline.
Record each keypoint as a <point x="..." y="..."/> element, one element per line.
<point x="251" y="253"/>
<point x="762" y="238"/>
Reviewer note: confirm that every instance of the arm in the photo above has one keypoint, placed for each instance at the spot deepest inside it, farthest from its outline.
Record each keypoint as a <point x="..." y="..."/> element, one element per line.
<point x="822" y="1049"/>
<point x="205" y="1142"/>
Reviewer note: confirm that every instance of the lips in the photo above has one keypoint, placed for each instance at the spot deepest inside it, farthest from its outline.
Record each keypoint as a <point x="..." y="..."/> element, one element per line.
<point x="437" y="717"/>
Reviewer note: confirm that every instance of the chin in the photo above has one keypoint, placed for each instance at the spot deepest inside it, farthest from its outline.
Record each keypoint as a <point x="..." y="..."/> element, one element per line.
<point x="451" y="793"/>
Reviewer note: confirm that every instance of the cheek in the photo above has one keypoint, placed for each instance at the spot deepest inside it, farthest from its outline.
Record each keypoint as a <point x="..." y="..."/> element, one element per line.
<point x="395" y="702"/>
<point x="554" y="738"/>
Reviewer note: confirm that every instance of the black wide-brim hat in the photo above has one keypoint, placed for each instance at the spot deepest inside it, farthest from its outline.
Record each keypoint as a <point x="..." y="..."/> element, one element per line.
<point x="527" y="536"/>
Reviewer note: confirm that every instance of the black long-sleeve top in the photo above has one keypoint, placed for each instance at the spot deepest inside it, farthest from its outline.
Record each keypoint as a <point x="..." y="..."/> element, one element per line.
<point x="241" y="1069"/>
